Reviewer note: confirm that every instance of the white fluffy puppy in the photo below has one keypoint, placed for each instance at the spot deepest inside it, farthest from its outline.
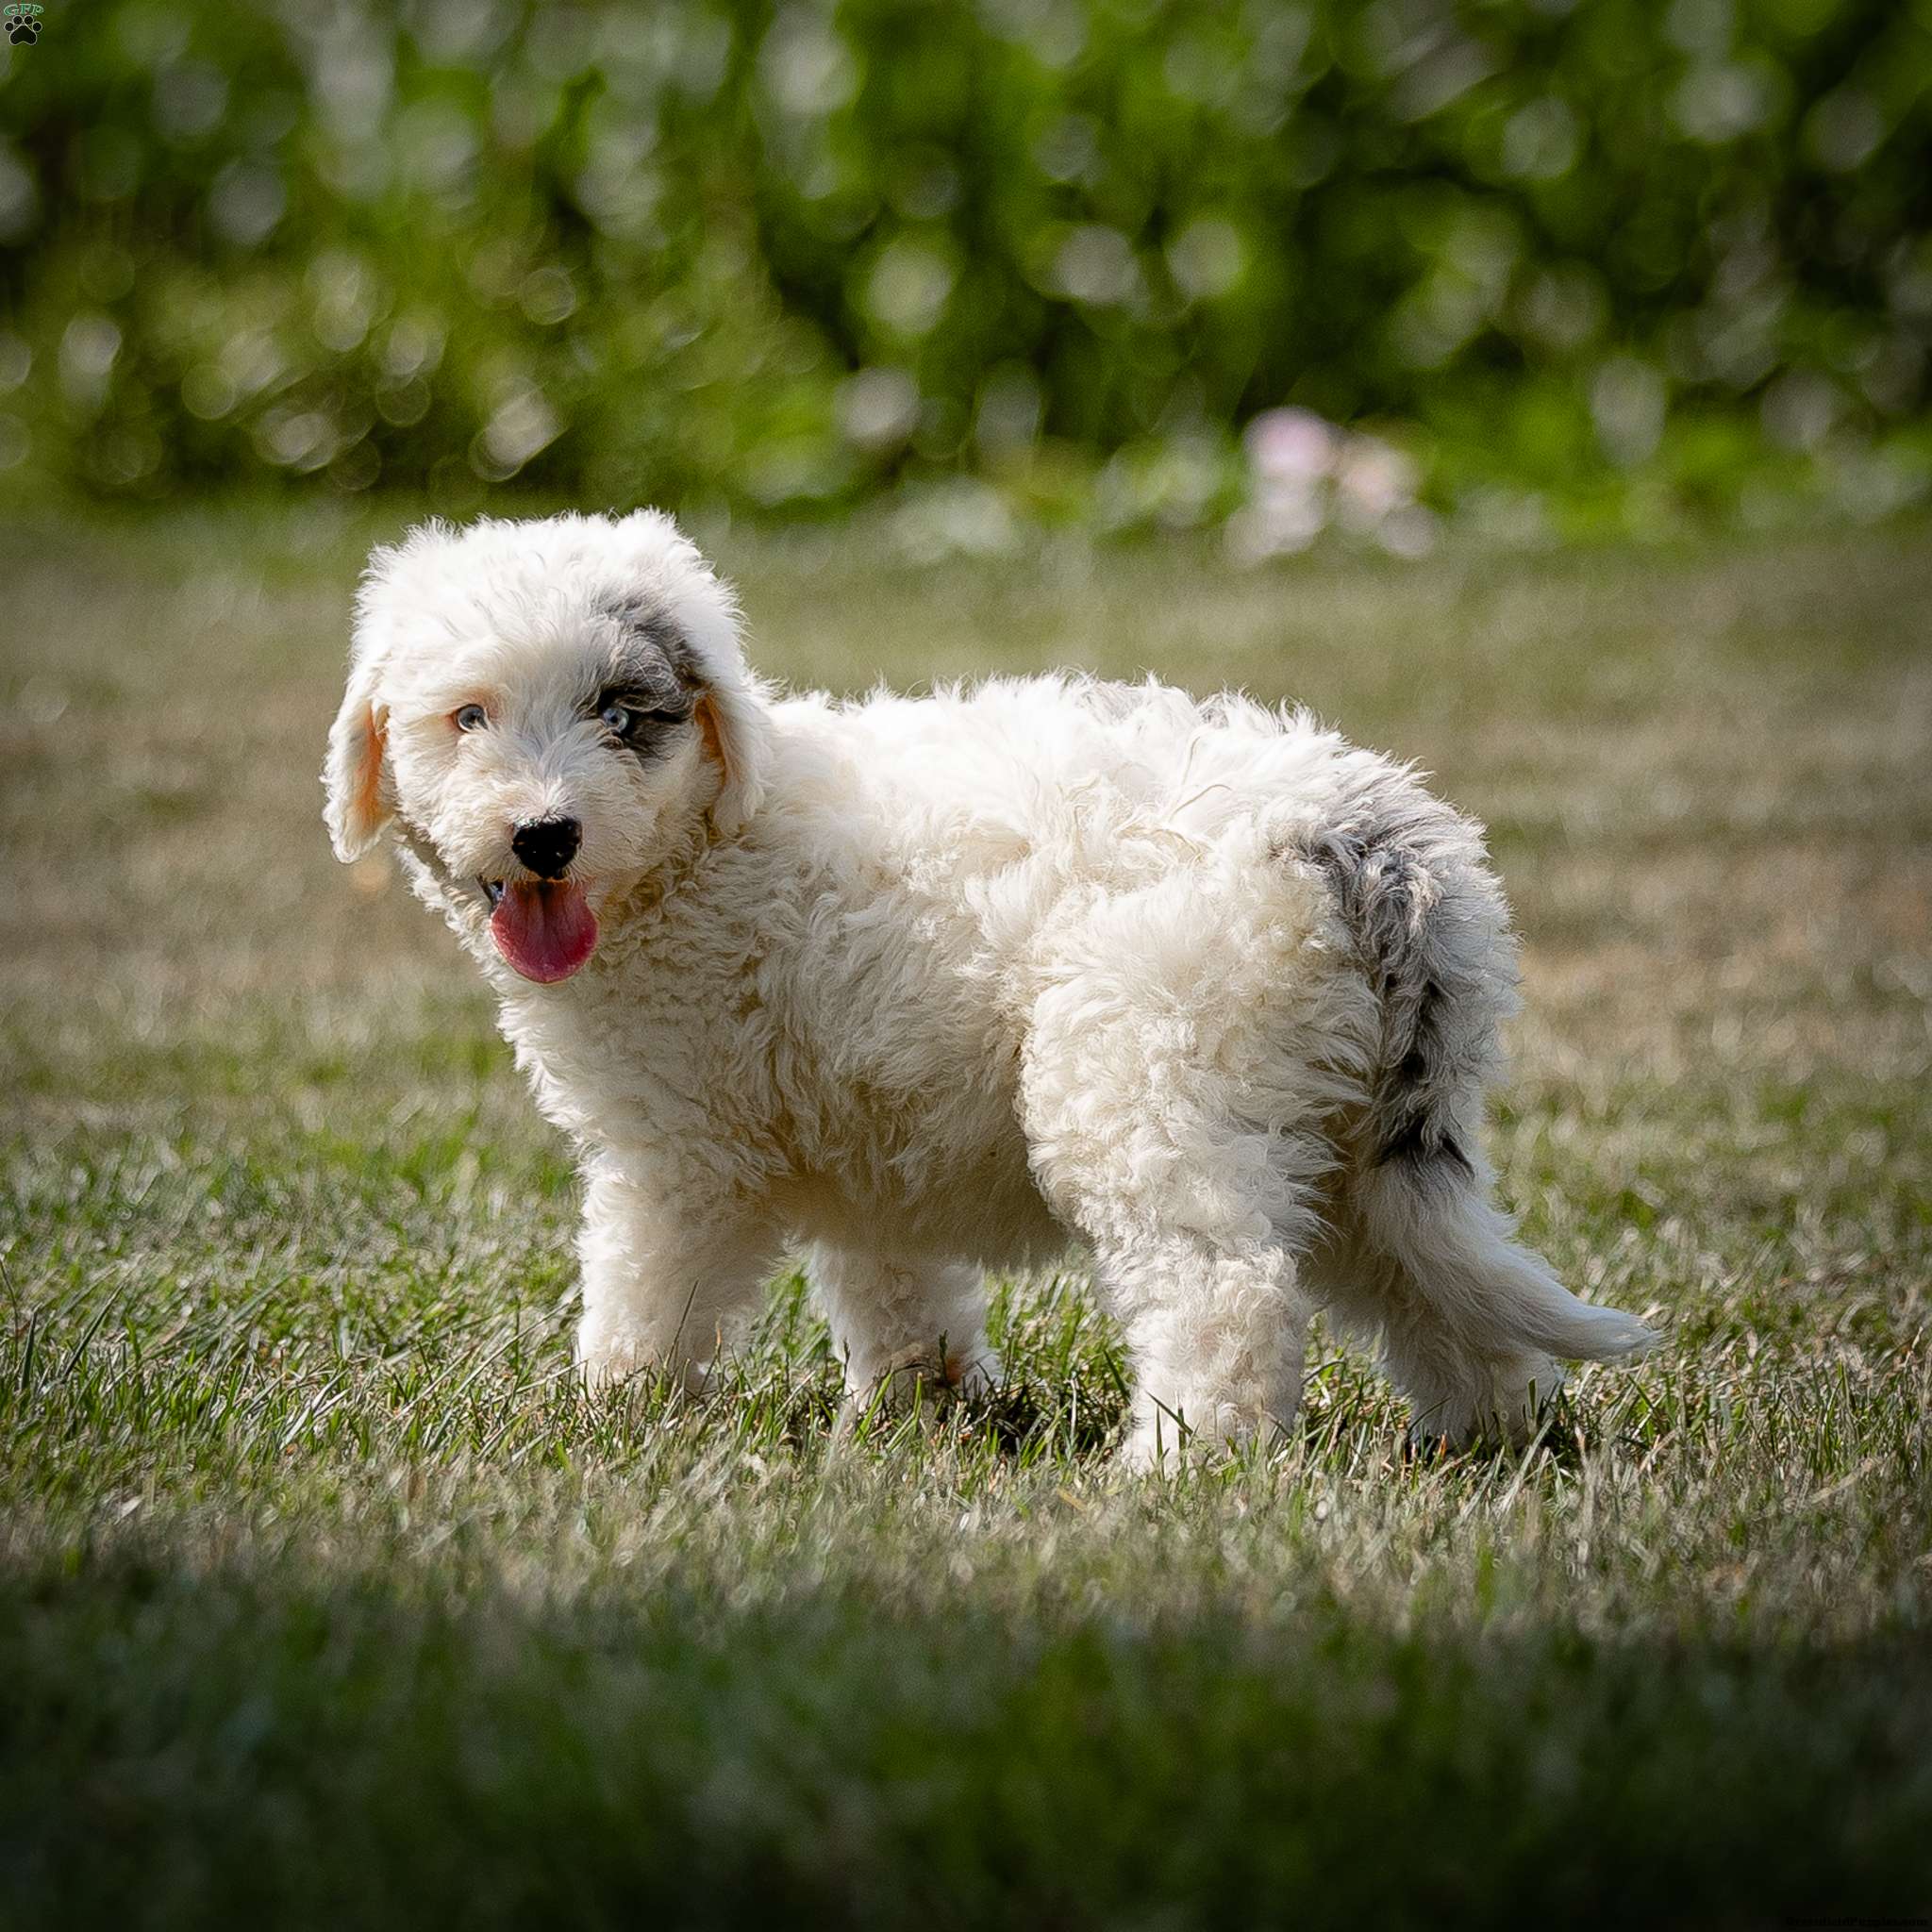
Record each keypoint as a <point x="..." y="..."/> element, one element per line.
<point x="933" y="985"/>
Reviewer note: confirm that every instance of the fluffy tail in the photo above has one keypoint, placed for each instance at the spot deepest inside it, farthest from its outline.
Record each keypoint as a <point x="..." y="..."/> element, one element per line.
<point x="1456" y="1246"/>
<point x="1430" y="926"/>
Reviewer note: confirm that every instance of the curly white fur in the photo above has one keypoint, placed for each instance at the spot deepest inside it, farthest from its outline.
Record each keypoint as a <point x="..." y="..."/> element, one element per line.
<point x="928" y="986"/>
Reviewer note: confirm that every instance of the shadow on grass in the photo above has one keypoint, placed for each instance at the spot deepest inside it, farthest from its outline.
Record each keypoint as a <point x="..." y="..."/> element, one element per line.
<point x="190" y="1746"/>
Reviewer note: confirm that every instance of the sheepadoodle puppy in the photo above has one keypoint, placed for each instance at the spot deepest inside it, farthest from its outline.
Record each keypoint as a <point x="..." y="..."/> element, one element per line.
<point x="930" y="985"/>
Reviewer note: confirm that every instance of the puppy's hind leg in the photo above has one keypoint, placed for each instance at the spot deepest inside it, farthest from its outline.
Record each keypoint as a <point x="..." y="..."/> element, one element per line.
<point x="1197" y="1218"/>
<point x="1175" y="1120"/>
<point x="1217" y="1330"/>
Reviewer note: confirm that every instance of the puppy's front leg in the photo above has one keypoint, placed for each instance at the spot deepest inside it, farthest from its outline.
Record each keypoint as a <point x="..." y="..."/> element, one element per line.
<point x="902" y="1325"/>
<point x="667" y="1272"/>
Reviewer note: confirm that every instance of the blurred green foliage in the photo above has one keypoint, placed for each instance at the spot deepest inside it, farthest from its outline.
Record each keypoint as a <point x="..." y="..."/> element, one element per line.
<point x="1610" y="252"/>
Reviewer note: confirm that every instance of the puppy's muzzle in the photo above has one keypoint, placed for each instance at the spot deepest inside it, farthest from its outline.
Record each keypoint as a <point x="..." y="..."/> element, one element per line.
<point x="548" y="845"/>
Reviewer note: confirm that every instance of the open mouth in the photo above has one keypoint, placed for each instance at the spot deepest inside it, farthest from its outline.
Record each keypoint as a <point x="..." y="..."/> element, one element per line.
<point x="544" y="928"/>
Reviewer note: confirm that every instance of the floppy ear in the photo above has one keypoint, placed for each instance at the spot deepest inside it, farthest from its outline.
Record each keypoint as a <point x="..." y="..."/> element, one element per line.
<point x="355" y="776"/>
<point x="731" y="703"/>
<point x="734" y="738"/>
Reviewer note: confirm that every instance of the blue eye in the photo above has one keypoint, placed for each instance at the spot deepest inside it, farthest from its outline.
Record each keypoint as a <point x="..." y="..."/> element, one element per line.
<point x="627" y="718"/>
<point x="470" y="718"/>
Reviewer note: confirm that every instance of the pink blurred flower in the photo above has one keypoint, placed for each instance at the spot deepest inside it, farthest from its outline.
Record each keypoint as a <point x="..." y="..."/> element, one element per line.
<point x="1292" y="444"/>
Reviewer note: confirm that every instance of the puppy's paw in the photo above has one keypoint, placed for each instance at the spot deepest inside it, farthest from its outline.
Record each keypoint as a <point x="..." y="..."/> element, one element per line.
<point x="609" y="1357"/>
<point x="1168" y="1435"/>
<point x="1502" y="1407"/>
<point x="1170" y="1447"/>
<point x="918" y="1377"/>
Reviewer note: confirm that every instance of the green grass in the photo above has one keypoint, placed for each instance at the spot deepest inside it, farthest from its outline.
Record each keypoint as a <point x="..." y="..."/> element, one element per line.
<point x="326" y="1596"/>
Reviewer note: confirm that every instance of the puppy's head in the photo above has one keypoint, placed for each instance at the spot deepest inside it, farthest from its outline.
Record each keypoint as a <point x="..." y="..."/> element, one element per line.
<point x="545" y="710"/>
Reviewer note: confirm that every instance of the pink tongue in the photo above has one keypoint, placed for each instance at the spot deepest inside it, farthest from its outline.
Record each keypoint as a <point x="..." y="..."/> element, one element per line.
<point x="544" y="928"/>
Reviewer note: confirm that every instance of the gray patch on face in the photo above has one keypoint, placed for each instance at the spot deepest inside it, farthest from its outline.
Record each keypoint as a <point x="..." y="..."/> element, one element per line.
<point x="652" y="657"/>
<point x="650" y="671"/>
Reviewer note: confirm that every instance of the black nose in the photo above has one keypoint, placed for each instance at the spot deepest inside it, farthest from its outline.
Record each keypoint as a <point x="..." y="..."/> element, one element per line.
<point x="548" y="845"/>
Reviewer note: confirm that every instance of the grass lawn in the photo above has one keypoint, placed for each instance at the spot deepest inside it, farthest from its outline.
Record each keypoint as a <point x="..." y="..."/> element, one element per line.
<point x="326" y="1598"/>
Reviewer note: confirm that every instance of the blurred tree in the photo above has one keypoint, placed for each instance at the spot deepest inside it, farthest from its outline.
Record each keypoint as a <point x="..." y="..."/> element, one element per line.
<point x="780" y="255"/>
